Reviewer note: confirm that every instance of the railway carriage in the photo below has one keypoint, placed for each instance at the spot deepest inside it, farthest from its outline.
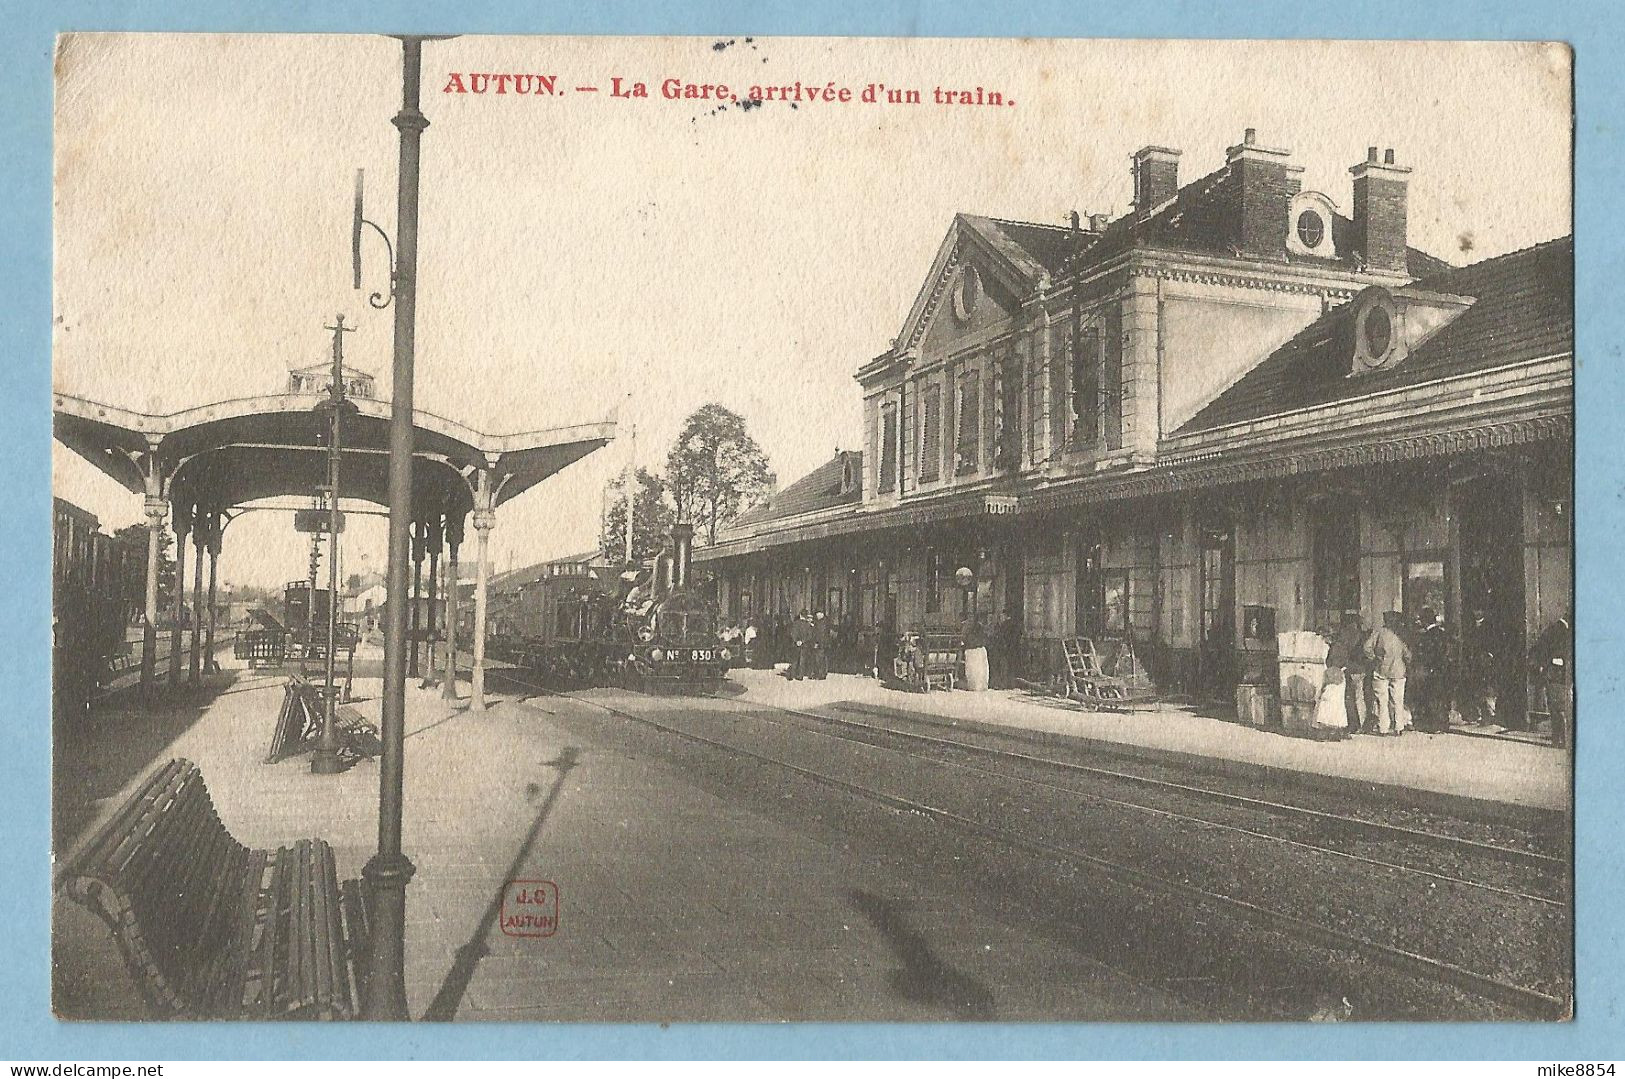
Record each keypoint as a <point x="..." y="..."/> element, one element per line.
<point x="97" y="584"/>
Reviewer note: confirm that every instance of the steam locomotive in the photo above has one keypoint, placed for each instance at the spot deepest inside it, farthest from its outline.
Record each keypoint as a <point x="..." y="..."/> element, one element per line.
<point x="652" y="631"/>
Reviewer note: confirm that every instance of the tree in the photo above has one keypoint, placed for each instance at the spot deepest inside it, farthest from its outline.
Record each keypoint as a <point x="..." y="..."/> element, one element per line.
<point x="715" y="469"/>
<point x="134" y="538"/>
<point x="651" y="517"/>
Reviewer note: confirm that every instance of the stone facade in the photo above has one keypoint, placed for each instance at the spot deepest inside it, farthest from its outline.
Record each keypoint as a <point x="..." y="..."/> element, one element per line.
<point x="1180" y="427"/>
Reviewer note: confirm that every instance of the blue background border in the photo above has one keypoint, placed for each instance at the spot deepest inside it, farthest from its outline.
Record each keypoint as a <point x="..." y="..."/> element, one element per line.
<point x="1595" y="29"/>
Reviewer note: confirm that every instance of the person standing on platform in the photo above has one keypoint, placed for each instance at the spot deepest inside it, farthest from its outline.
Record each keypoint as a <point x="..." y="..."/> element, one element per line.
<point x="1553" y="662"/>
<point x="1331" y="706"/>
<point x="748" y="638"/>
<point x="801" y="647"/>
<point x="1388" y="655"/>
<point x="1351" y="650"/>
<point x="821" y="642"/>
<point x="975" y="652"/>
<point x="1432" y="693"/>
<point x="1001" y="651"/>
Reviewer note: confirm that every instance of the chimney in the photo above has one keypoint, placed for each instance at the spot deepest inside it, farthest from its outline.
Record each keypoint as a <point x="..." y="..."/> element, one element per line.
<point x="1379" y="212"/>
<point x="1156" y="177"/>
<point x="1264" y="185"/>
<point x="1098" y="222"/>
<point x="1072" y="220"/>
<point x="663" y="575"/>
<point x="682" y="554"/>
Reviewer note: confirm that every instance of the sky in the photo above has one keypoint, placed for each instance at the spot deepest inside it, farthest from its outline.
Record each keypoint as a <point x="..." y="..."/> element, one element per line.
<point x="585" y="256"/>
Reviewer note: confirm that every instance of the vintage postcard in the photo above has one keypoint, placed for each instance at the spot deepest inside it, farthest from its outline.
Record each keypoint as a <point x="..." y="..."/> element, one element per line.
<point x="788" y="529"/>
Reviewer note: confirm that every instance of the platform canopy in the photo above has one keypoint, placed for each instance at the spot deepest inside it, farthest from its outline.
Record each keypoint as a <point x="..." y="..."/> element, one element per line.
<point x="228" y="454"/>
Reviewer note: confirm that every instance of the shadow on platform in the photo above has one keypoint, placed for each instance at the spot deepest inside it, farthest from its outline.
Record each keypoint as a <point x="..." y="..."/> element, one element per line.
<point x="95" y="755"/>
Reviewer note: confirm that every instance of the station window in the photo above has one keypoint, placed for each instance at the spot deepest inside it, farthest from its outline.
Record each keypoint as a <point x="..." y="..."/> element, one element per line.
<point x="1111" y="394"/>
<point x="1085" y="385"/>
<point x="888" y="447"/>
<point x="968" y="416"/>
<point x="1007" y="425"/>
<point x="1336" y="557"/>
<point x="931" y="435"/>
<point x="1424" y="584"/>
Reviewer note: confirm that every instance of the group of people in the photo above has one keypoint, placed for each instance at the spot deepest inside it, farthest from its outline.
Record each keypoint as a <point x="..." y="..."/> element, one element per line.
<point x="811" y="644"/>
<point x="1396" y="676"/>
<point x="1374" y="664"/>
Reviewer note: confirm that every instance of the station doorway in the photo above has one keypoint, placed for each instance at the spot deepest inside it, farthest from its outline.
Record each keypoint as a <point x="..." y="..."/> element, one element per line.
<point x="1494" y="644"/>
<point x="1216" y="659"/>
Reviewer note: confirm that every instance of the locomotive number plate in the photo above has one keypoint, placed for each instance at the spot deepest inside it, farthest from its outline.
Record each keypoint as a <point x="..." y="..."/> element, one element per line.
<point x="701" y="655"/>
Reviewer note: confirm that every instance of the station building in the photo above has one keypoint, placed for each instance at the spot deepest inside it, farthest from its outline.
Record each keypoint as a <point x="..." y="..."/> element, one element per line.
<point x="1234" y="411"/>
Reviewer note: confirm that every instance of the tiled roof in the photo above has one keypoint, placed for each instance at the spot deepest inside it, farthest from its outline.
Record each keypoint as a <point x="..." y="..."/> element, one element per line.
<point x="817" y="490"/>
<point x="1523" y="310"/>
<point x="1201" y="218"/>
<point x="1030" y="246"/>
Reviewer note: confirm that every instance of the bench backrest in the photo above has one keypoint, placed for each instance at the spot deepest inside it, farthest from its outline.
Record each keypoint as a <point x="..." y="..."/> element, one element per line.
<point x="167" y="877"/>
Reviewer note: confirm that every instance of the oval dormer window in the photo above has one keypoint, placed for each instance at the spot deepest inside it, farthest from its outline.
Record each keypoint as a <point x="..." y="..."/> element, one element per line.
<point x="1311" y="230"/>
<point x="1379" y="332"/>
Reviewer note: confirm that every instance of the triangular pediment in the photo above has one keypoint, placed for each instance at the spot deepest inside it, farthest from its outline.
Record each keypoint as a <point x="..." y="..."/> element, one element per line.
<point x="980" y="276"/>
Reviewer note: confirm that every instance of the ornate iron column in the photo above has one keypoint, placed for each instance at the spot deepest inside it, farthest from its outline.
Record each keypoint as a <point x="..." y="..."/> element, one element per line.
<point x="431" y="606"/>
<point x="200" y="539"/>
<point x="215" y="523"/>
<point x="484" y="520"/>
<point x="454" y="539"/>
<point x="420" y="534"/>
<point x="156" y="509"/>
<point x="183" y="528"/>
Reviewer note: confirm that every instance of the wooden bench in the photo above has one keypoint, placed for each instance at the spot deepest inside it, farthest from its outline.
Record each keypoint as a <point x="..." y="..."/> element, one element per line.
<point x="359" y="734"/>
<point x="298" y="721"/>
<point x="298" y="724"/>
<point x="209" y="928"/>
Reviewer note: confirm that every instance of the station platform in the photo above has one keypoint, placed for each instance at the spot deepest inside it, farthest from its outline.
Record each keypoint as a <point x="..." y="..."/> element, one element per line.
<point x="1476" y="776"/>
<point x="677" y="901"/>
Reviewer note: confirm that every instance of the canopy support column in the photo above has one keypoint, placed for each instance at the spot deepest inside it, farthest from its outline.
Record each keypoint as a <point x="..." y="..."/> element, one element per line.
<point x="209" y="664"/>
<point x="183" y="528"/>
<point x="199" y="543"/>
<point x="419" y="533"/>
<point x="454" y="539"/>
<point x="430" y="608"/>
<point x="156" y="509"/>
<point x="484" y="520"/>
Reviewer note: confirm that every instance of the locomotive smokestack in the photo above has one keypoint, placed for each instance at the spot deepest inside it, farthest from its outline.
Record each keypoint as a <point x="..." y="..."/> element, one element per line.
<point x="682" y="554"/>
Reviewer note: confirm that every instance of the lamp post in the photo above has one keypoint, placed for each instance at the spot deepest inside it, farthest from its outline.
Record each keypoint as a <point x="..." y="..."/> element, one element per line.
<point x="326" y="760"/>
<point x="389" y="870"/>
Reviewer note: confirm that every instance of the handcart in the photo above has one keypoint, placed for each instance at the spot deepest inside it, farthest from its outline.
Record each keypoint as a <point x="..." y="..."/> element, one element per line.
<point x="927" y="660"/>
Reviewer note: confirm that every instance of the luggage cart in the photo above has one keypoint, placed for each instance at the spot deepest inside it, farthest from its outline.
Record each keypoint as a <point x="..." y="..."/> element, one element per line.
<point x="1105" y="674"/>
<point x="927" y="660"/>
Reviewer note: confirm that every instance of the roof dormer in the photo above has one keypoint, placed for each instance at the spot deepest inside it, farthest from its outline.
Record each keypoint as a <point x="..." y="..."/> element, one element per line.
<point x="1385" y="325"/>
<point x="1309" y="225"/>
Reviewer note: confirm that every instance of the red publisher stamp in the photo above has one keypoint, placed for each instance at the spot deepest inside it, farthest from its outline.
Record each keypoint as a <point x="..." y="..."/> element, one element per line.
<point x="530" y="908"/>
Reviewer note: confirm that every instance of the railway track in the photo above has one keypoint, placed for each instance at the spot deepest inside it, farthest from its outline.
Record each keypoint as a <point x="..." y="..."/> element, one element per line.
<point x="1315" y="819"/>
<point x="1520" y="999"/>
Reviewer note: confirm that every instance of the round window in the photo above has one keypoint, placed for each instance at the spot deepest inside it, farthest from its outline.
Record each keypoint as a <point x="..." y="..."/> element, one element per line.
<point x="1311" y="230"/>
<point x="966" y="295"/>
<point x="1379" y="332"/>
